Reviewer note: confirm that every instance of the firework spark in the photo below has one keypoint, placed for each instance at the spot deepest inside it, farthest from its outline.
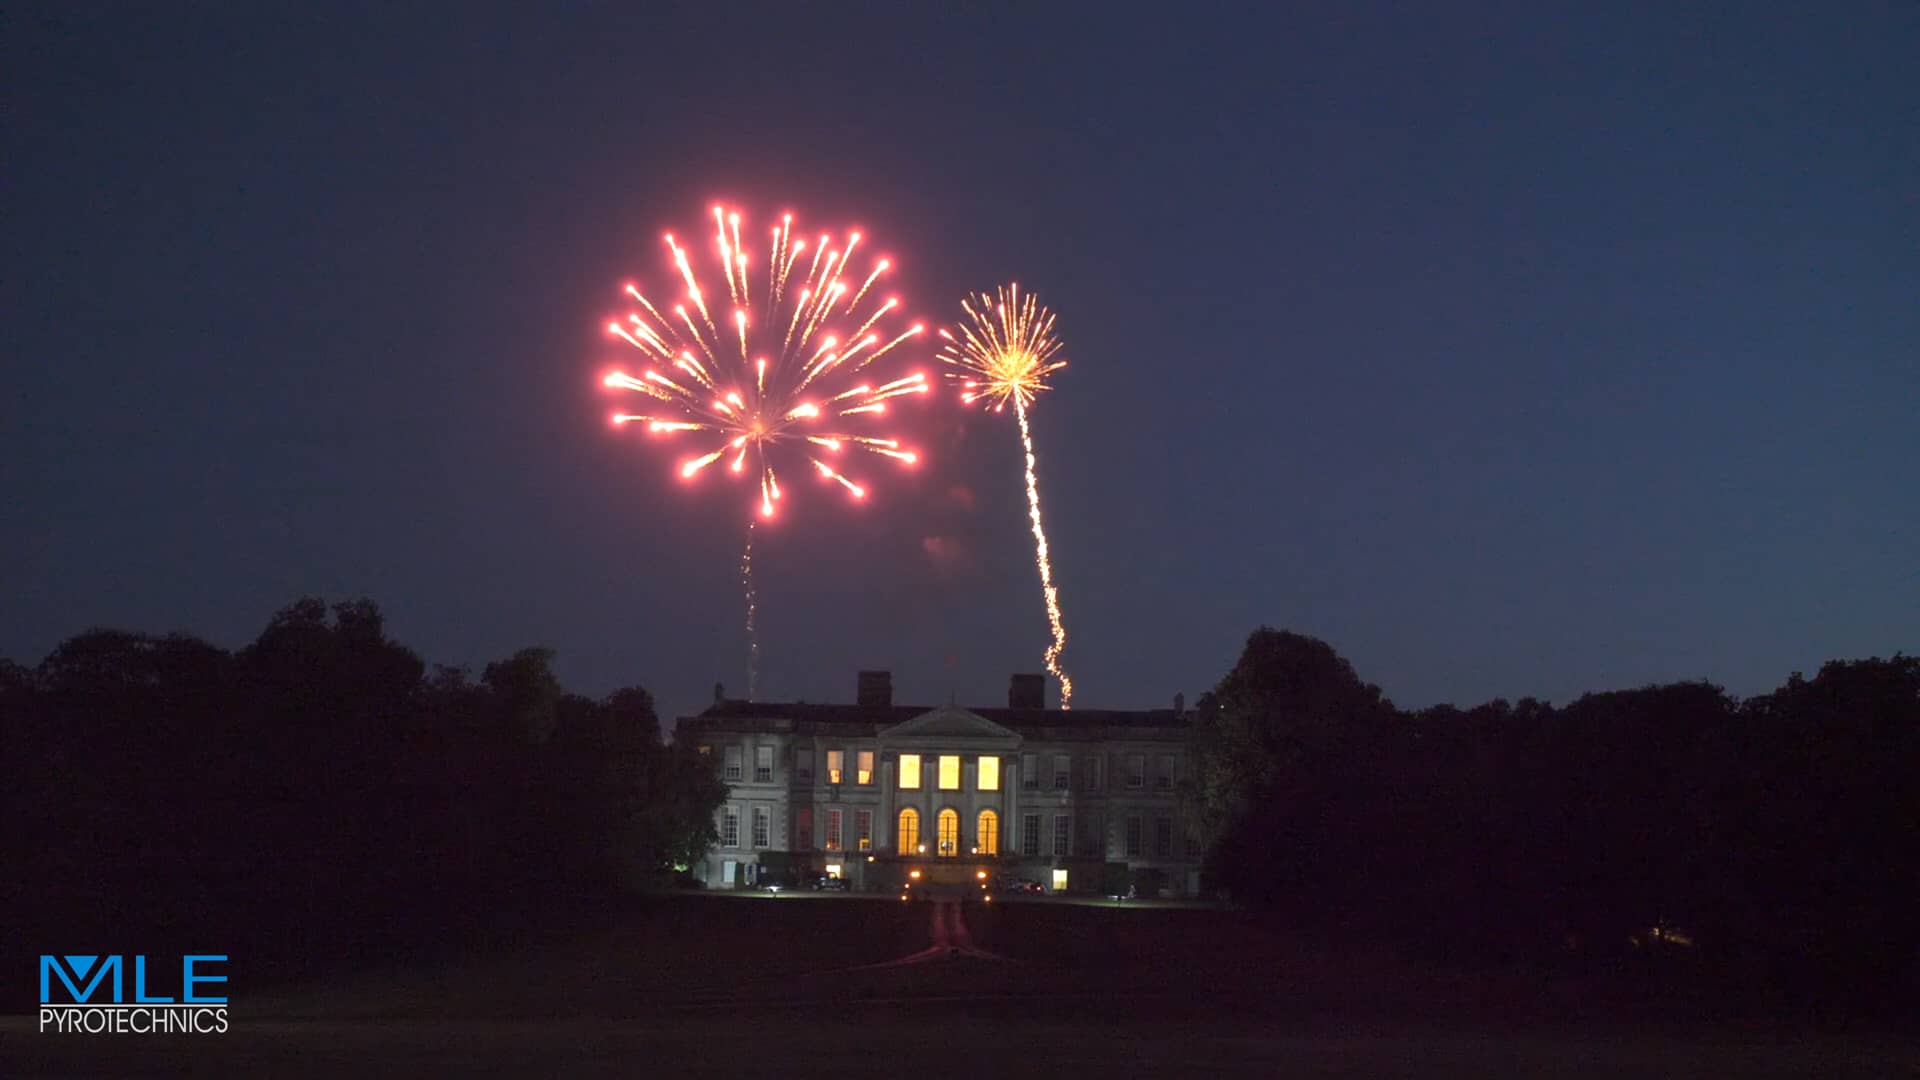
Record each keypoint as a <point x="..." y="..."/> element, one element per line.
<point x="766" y="374"/>
<point x="1004" y="354"/>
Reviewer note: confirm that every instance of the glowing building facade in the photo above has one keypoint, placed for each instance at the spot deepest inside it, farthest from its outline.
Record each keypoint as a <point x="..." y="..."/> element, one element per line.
<point x="1080" y="801"/>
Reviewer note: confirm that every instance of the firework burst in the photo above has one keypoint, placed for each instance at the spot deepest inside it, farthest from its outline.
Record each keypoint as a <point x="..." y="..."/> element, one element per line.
<point x="1003" y="355"/>
<point x="773" y="370"/>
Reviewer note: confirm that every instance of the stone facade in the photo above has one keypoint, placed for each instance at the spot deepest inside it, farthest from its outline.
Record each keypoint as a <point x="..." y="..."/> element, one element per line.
<point x="1081" y="801"/>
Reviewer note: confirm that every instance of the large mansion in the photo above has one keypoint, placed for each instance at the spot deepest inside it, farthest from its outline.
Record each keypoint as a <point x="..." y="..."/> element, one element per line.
<point x="877" y="793"/>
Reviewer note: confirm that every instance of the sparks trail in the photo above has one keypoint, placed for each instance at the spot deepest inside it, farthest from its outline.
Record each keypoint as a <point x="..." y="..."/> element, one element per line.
<point x="775" y="372"/>
<point x="753" y="611"/>
<point x="1005" y="351"/>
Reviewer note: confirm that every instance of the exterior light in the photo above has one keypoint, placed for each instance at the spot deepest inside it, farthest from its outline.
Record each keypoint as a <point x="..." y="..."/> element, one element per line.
<point x="914" y="874"/>
<point x="989" y="898"/>
<point x="981" y="874"/>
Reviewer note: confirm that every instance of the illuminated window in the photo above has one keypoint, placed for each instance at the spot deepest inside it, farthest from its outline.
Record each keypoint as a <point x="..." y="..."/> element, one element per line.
<point x="833" y="869"/>
<point x="763" y="764"/>
<point x="833" y="830"/>
<point x="949" y="831"/>
<point x="909" y="772"/>
<point x="989" y="774"/>
<point x="730" y="828"/>
<point x="706" y="750"/>
<point x="1030" y="834"/>
<point x="1062" y="834"/>
<point x="762" y="827"/>
<point x="1059" y="881"/>
<point x="909" y="832"/>
<point x="863" y="829"/>
<point x="836" y="763"/>
<point x="865" y="775"/>
<point x="988" y="838"/>
<point x="949" y="772"/>
<point x="731" y="770"/>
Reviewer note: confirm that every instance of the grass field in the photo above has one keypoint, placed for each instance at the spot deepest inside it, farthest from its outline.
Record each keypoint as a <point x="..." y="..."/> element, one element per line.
<point x="856" y="986"/>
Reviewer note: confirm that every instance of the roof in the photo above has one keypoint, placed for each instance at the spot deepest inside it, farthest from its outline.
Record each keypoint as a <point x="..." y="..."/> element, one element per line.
<point x="802" y="717"/>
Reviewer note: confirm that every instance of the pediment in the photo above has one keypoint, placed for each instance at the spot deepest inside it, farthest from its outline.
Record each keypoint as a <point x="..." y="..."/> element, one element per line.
<point x="950" y="724"/>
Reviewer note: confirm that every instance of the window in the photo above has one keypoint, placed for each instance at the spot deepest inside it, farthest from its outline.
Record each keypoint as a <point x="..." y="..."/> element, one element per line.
<point x="1163" y="837"/>
<point x="730" y="828"/>
<point x="1134" y="836"/>
<point x="803" y="828"/>
<point x="762" y="764"/>
<point x="706" y="750"/>
<point x="909" y="833"/>
<point x="1092" y="835"/>
<point x="1030" y="834"/>
<point x="836" y="763"/>
<point x="731" y="770"/>
<point x="1062" y="834"/>
<point x="949" y="772"/>
<point x="1136" y="771"/>
<point x="909" y="772"/>
<point x="865" y="775"/>
<point x="803" y="766"/>
<point x="1094" y="770"/>
<point x="949" y="820"/>
<point x="834" y="869"/>
<point x="1059" y="881"/>
<point x="762" y="827"/>
<point x="1163" y="780"/>
<point x="863" y="829"/>
<point x="989" y="774"/>
<point x="1029" y="772"/>
<point x="1062" y="772"/>
<point x="833" y="830"/>
<point x="987" y="839"/>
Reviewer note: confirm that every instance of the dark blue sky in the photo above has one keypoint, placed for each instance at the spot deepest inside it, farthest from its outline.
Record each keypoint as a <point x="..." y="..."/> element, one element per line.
<point x="1513" y="349"/>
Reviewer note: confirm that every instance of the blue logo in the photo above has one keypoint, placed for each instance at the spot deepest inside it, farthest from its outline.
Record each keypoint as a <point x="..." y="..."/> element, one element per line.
<point x="87" y="994"/>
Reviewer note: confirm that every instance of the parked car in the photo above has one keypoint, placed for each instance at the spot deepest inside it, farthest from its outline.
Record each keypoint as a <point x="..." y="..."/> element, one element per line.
<point x="823" y="883"/>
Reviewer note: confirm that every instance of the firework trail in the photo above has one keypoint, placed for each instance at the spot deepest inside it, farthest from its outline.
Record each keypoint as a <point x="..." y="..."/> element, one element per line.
<point x="1004" y="354"/>
<point x="770" y="372"/>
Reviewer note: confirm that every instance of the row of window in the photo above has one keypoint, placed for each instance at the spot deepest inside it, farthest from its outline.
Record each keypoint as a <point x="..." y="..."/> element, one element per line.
<point x="1089" y="841"/>
<point x="947" y="776"/>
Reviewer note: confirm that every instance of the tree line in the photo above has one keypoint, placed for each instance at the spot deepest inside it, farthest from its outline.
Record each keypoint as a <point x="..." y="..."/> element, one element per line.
<point x="1776" y="838"/>
<point x="322" y="791"/>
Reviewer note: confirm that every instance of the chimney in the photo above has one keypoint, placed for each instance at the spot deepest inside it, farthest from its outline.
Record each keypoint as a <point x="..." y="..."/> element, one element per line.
<point x="1027" y="692"/>
<point x="876" y="688"/>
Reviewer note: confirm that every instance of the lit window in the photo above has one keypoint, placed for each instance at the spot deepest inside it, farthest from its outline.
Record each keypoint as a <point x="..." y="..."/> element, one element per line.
<point x="1030" y="834"/>
<point x="730" y="828"/>
<point x="833" y="869"/>
<point x="989" y="774"/>
<point x="733" y="759"/>
<point x="1062" y="834"/>
<point x="949" y="772"/>
<point x="865" y="775"/>
<point x="988" y="838"/>
<point x="833" y="830"/>
<point x="762" y="764"/>
<point x="949" y="831"/>
<point x="762" y="827"/>
<point x="836" y="763"/>
<point x="909" y="832"/>
<point x="909" y="772"/>
<point x="1059" y="881"/>
<point x="863" y="829"/>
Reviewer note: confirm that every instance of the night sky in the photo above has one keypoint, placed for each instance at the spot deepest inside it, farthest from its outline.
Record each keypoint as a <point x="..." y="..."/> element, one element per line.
<point x="1513" y="350"/>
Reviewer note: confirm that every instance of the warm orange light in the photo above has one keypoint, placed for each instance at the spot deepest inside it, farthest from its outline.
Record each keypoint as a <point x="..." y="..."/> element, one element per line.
<point x="981" y="874"/>
<point x="914" y="874"/>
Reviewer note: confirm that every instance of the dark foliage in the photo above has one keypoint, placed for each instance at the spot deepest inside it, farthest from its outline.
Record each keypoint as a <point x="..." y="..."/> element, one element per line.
<point x="319" y="793"/>
<point x="1775" y="836"/>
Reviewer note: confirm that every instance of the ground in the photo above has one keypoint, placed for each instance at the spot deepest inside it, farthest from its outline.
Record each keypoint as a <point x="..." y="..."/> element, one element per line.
<point x="855" y="986"/>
